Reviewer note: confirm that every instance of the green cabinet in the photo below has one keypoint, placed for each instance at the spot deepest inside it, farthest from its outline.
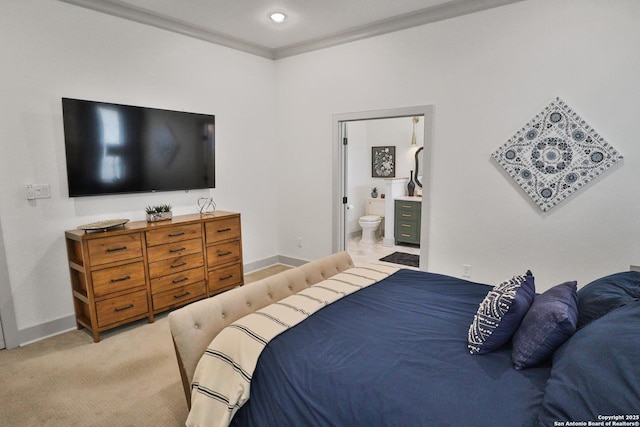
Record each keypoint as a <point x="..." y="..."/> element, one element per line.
<point x="407" y="221"/>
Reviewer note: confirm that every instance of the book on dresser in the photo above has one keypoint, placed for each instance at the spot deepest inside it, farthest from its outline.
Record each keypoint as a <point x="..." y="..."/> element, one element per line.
<point x="142" y="268"/>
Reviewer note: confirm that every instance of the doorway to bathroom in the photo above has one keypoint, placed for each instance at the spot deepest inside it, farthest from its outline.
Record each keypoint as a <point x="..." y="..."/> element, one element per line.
<point x="357" y="137"/>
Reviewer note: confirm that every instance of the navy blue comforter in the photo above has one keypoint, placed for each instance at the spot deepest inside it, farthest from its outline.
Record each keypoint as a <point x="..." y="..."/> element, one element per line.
<point x="392" y="354"/>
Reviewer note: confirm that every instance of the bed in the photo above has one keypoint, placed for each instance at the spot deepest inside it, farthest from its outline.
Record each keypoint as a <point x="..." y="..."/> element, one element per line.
<point x="333" y="344"/>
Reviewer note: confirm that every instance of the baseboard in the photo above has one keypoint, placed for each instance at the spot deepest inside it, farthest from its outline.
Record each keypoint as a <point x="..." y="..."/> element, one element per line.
<point x="46" y="330"/>
<point x="259" y="265"/>
<point x="355" y="234"/>
<point x="293" y="262"/>
<point x="268" y="262"/>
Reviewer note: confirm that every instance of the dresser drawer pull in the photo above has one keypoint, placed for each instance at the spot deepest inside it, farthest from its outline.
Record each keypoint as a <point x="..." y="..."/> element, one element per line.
<point x="223" y="230"/>
<point x="177" y="250"/>
<point x="178" y="265"/>
<point x="407" y="206"/>
<point x="180" y="280"/>
<point x="405" y="235"/>
<point x="176" y="234"/>
<point x="406" y="225"/>
<point x="224" y="253"/>
<point x="407" y="215"/>
<point x="120" y="279"/>
<point x="227" y="277"/>
<point x="126" y="307"/>
<point x="121" y="248"/>
<point x="182" y="295"/>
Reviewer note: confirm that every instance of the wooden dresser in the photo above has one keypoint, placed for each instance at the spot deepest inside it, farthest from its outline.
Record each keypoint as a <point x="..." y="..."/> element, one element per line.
<point x="133" y="272"/>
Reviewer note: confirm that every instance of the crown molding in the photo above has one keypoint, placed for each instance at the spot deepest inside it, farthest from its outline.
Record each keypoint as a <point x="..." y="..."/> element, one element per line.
<point x="143" y="16"/>
<point x="428" y="15"/>
<point x="425" y="16"/>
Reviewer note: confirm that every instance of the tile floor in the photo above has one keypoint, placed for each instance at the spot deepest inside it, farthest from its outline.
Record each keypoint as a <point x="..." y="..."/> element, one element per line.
<point x="367" y="253"/>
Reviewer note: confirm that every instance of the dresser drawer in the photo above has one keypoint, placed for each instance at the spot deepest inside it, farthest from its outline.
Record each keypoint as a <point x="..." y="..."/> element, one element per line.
<point x="116" y="279"/>
<point x="114" y="310"/>
<point x="226" y="277"/>
<point x="404" y="215"/>
<point x="116" y="248"/>
<point x="176" y="280"/>
<point x="225" y="229"/>
<point x="172" y="250"/>
<point x="408" y="206"/>
<point x="174" y="265"/>
<point x="408" y="210"/>
<point x="223" y="253"/>
<point x="408" y="232"/>
<point x="178" y="296"/>
<point x="172" y="234"/>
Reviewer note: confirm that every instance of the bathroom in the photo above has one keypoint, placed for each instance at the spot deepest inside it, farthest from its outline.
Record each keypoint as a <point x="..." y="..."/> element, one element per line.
<point x="404" y="137"/>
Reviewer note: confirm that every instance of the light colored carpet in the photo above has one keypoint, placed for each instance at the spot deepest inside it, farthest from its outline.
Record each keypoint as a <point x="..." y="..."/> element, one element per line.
<point x="129" y="378"/>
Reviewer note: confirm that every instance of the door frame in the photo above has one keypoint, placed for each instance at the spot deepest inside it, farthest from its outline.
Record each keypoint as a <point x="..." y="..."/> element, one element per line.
<point x="7" y="312"/>
<point x="340" y="168"/>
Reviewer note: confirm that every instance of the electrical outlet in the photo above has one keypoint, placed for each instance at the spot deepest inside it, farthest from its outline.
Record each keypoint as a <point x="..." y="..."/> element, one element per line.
<point x="43" y="191"/>
<point x="37" y="191"/>
<point x="466" y="271"/>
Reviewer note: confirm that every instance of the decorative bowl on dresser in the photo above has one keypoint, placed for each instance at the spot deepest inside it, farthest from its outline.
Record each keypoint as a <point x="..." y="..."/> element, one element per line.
<point x="126" y="274"/>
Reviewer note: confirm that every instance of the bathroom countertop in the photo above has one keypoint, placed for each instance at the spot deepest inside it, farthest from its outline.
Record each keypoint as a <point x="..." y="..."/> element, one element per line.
<point x="410" y="198"/>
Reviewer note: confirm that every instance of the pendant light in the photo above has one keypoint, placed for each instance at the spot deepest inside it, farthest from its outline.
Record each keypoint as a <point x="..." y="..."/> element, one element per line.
<point x="416" y="119"/>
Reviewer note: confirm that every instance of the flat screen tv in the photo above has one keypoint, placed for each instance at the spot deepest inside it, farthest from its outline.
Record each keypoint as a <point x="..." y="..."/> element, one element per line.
<point x="113" y="148"/>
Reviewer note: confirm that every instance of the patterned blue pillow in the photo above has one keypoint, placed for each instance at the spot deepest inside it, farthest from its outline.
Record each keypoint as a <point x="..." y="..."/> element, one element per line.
<point x="550" y="321"/>
<point x="500" y="314"/>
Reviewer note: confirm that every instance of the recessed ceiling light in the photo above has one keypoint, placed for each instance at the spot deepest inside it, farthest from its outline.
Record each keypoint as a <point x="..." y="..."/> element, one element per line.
<point x="277" y="17"/>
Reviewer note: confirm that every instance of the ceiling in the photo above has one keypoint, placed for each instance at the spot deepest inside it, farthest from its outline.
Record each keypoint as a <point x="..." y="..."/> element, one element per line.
<point x="310" y="24"/>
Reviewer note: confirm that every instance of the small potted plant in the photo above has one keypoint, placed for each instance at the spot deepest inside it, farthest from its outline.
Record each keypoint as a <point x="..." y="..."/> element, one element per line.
<point x="374" y="192"/>
<point x="158" y="213"/>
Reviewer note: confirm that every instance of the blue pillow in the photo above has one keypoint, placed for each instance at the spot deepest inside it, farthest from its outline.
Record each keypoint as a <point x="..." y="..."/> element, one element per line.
<point x="596" y="372"/>
<point x="550" y="321"/>
<point x="606" y="294"/>
<point x="500" y="314"/>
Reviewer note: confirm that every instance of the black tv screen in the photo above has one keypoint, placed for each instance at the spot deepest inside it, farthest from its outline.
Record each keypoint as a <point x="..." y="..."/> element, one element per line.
<point x="113" y="148"/>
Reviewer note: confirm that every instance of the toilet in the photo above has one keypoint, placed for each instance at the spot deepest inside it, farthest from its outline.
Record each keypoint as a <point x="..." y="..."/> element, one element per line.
<point x="370" y="222"/>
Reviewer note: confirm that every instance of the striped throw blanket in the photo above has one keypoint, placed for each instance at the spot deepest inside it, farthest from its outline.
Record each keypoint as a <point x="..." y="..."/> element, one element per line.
<point x="222" y="380"/>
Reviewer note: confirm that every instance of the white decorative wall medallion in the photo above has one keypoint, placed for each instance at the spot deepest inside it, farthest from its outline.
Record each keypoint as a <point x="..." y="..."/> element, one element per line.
<point x="555" y="154"/>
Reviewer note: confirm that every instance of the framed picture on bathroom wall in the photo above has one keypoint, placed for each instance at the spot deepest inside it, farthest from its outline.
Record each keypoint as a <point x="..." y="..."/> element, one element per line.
<point x="383" y="162"/>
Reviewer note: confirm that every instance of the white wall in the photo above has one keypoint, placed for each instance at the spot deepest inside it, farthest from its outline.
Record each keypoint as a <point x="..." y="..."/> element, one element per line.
<point x="52" y="50"/>
<point x="487" y="74"/>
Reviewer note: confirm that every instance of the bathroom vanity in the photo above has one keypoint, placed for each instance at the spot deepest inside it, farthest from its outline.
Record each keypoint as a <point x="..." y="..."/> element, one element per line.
<point x="407" y="215"/>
